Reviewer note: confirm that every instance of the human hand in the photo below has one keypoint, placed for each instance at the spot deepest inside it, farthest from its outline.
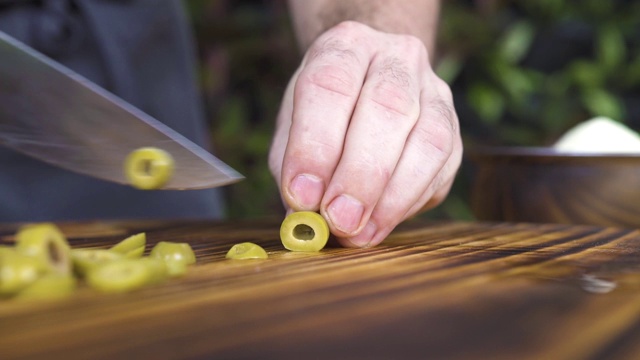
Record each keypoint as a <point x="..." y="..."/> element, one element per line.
<point x="367" y="134"/>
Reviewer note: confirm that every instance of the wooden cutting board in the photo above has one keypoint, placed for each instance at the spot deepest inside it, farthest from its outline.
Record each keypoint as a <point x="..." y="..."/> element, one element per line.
<point x="441" y="291"/>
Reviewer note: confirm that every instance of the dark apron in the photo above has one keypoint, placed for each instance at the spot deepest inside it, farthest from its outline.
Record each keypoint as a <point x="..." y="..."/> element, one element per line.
<point x="142" y="51"/>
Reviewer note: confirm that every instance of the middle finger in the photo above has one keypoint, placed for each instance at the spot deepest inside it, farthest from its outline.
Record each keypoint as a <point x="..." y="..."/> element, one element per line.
<point x="386" y="111"/>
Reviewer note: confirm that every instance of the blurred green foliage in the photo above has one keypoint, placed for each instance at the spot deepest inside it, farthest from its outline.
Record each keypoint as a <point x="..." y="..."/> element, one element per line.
<point x="248" y="53"/>
<point x="526" y="71"/>
<point x="522" y="73"/>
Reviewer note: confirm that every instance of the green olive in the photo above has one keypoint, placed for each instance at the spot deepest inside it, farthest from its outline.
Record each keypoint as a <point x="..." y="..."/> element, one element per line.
<point x="86" y="259"/>
<point x="133" y="242"/>
<point x="246" y="250"/>
<point x="50" y="286"/>
<point x="18" y="271"/>
<point x="119" y="276"/>
<point x="46" y="243"/>
<point x="304" y="231"/>
<point x="171" y="251"/>
<point x="148" y="168"/>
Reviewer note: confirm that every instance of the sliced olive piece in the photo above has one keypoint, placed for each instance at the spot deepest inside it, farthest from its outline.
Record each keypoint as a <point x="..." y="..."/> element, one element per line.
<point x="172" y="251"/>
<point x="46" y="243"/>
<point x="119" y="276"/>
<point x="5" y="249"/>
<point x="133" y="242"/>
<point x="86" y="259"/>
<point x="158" y="269"/>
<point x="135" y="253"/>
<point x="148" y="168"/>
<point x="176" y="268"/>
<point x="304" y="231"/>
<point x="246" y="250"/>
<point x="18" y="271"/>
<point x="50" y="286"/>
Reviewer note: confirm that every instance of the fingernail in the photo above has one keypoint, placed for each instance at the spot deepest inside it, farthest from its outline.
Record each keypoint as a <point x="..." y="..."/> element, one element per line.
<point x="364" y="238"/>
<point x="306" y="190"/>
<point x="345" y="213"/>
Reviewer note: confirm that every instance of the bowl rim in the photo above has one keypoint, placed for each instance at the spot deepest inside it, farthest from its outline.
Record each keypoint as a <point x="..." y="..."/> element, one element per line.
<point x="542" y="152"/>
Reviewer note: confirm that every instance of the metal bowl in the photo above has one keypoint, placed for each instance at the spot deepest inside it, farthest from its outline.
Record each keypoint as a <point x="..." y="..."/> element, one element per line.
<point x="542" y="185"/>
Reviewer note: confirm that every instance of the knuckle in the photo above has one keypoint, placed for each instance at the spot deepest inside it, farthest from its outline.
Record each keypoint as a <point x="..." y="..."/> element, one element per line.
<point x="443" y="89"/>
<point x="436" y="140"/>
<point x="315" y="153"/>
<point x="374" y="175"/>
<point x="414" y="46"/>
<point x="444" y="112"/>
<point x="331" y="78"/>
<point x="372" y="165"/>
<point x="413" y="50"/>
<point x="394" y="89"/>
<point x="333" y="48"/>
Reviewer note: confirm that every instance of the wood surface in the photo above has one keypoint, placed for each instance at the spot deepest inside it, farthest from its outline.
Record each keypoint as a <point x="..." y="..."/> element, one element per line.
<point x="430" y="291"/>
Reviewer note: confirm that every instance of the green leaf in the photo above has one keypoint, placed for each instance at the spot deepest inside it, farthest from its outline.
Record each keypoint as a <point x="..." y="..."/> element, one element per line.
<point x="516" y="42"/>
<point x="632" y="73"/>
<point x="487" y="102"/>
<point x="586" y="74"/>
<point x="611" y="48"/>
<point x="515" y="81"/>
<point x="600" y="102"/>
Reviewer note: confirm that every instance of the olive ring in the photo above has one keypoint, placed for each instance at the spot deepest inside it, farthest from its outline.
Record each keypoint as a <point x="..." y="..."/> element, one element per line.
<point x="304" y="231"/>
<point x="148" y="168"/>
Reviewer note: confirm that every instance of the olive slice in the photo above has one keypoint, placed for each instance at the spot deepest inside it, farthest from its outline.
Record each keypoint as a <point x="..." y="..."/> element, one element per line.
<point x="158" y="269"/>
<point x="133" y="242"/>
<point x="46" y="243"/>
<point x="148" y="168"/>
<point x="176" y="268"/>
<point x="246" y="250"/>
<point x="119" y="276"/>
<point x="50" y="286"/>
<point x="172" y="251"/>
<point x="304" y="231"/>
<point x="135" y="253"/>
<point x="6" y="249"/>
<point x="17" y="271"/>
<point x="86" y="259"/>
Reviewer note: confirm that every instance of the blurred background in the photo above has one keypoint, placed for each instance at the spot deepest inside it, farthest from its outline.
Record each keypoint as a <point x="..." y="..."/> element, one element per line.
<point x="522" y="73"/>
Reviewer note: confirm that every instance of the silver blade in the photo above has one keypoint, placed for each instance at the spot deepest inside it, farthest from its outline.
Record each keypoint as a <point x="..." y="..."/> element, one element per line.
<point x="51" y="113"/>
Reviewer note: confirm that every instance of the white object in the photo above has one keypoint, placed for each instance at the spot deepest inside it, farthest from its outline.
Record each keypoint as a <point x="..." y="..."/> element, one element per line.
<point x="599" y="135"/>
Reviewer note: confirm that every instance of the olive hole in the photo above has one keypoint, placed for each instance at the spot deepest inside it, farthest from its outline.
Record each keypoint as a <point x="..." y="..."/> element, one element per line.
<point x="54" y="252"/>
<point x="303" y="232"/>
<point x="146" y="167"/>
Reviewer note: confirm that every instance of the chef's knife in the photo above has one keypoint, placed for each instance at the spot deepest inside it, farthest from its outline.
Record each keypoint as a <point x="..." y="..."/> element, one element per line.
<point x="56" y="115"/>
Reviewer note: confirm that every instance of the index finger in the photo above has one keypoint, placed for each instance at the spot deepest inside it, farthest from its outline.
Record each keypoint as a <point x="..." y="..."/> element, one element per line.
<point x="325" y="96"/>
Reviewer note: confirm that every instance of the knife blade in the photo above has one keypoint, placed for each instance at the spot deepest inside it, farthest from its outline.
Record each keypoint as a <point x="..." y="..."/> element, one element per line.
<point x="54" y="114"/>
